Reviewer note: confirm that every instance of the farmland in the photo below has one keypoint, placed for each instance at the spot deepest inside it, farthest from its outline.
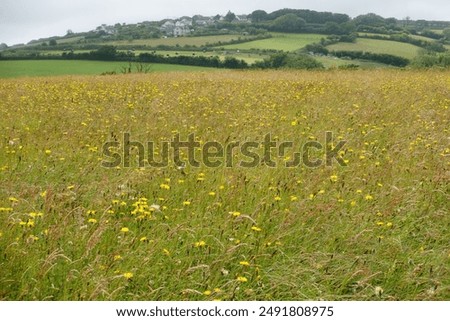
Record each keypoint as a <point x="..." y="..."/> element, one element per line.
<point x="279" y="41"/>
<point x="370" y="225"/>
<point x="33" y="68"/>
<point x="179" y="41"/>
<point x="379" y="46"/>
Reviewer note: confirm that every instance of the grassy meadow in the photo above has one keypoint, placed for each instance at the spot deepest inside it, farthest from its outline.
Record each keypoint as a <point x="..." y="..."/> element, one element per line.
<point x="279" y="41"/>
<point x="35" y="68"/>
<point x="374" y="229"/>
<point x="401" y="49"/>
<point x="179" y="41"/>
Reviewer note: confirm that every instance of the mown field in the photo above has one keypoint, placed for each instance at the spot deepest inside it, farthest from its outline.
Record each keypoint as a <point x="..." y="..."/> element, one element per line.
<point x="34" y="68"/>
<point x="379" y="46"/>
<point x="373" y="227"/>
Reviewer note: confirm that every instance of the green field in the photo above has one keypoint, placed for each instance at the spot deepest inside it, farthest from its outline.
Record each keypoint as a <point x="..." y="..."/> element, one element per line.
<point x="32" y="68"/>
<point x="180" y="41"/>
<point x="379" y="46"/>
<point x="334" y="62"/>
<point x="422" y="38"/>
<point x="248" y="57"/>
<point x="362" y="34"/>
<point x="279" y="41"/>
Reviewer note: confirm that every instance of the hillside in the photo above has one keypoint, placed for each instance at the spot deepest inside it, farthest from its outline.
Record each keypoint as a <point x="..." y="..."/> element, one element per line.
<point x="251" y="41"/>
<point x="379" y="46"/>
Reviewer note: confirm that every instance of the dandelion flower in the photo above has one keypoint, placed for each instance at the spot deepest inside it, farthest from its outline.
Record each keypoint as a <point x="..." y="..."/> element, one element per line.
<point x="128" y="275"/>
<point x="207" y="292"/>
<point x="186" y="203"/>
<point x="244" y="263"/>
<point x="200" y="244"/>
<point x="242" y="279"/>
<point x="334" y="178"/>
<point x="92" y="220"/>
<point x="256" y="229"/>
<point x="235" y="214"/>
<point x="369" y="197"/>
<point x="124" y="229"/>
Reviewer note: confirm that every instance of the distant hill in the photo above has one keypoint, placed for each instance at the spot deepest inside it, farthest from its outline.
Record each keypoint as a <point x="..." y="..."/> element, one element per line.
<point x="328" y="37"/>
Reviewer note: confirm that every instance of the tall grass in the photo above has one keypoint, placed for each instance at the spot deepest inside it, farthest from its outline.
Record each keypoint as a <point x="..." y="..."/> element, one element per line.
<point x="377" y="228"/>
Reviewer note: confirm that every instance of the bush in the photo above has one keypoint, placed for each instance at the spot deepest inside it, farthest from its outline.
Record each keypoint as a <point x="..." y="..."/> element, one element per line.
<point x="290" y="61"/>
<point x="429" y="60"/>
<point x="316" y="48"/>
<point x="382" y="58"/>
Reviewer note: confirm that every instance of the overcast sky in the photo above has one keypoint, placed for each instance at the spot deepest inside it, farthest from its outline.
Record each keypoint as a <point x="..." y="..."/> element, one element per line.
<point x="24" y="20"/>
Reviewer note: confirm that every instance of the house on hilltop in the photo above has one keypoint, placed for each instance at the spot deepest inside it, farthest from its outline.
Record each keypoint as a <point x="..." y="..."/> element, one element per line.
<point x="177" y="28"/>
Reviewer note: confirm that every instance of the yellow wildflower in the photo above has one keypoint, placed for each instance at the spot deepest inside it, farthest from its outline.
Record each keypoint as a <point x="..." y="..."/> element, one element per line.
<point x="242" y="279"/>
<point x="200" y="244"/>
